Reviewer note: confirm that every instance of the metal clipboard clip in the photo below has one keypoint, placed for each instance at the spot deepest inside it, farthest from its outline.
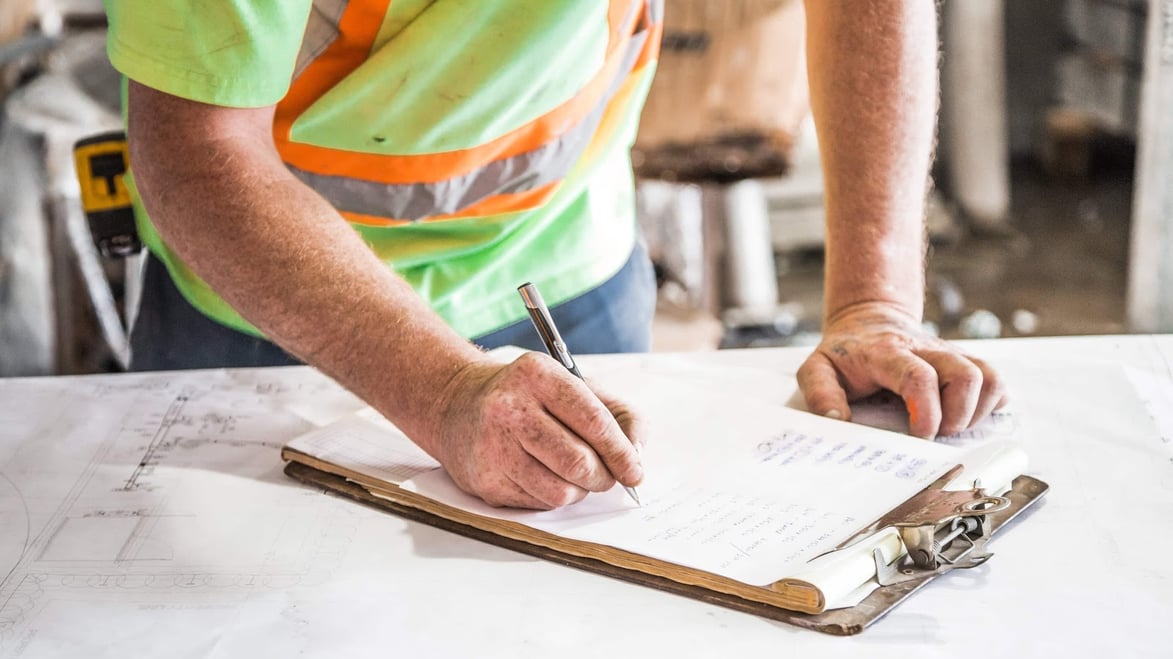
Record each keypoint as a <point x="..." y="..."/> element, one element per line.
<point x="942" y="530"/>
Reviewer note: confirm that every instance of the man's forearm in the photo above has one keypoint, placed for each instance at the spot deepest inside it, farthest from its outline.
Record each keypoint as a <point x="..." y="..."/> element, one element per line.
<point x="281" y="256"/>
<point x="874" y="99"/>
<point x="873" y="68"/>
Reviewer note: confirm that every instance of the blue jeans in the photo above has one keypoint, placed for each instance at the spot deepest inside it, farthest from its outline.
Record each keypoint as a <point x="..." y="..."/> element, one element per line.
<point x="171" y="334"/>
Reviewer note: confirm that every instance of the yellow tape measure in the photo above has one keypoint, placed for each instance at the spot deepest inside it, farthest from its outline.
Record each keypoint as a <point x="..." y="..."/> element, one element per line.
<point x="102" y="162"/>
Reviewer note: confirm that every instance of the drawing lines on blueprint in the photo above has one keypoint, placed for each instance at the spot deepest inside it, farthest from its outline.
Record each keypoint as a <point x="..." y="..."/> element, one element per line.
<point x="14" y="519"/>
<point x="157" y="438"/>
<point x="18" y="588"/>
<point x="183" y="426"/>
<point x="164" y="492"/>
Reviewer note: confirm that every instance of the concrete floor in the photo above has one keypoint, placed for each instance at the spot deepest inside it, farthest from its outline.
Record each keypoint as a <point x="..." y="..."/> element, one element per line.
<point x="1065" y="260"/>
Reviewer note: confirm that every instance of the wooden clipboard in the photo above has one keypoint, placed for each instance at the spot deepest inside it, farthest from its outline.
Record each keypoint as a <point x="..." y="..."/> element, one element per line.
<point x="1024" y="492"/>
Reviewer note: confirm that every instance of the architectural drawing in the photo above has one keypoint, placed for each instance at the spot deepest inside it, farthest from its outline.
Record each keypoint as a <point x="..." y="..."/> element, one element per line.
<point x="163" y="490"/>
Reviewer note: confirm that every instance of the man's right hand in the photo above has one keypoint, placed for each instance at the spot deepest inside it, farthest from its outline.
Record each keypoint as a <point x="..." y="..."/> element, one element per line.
<point x="531" y="435"/>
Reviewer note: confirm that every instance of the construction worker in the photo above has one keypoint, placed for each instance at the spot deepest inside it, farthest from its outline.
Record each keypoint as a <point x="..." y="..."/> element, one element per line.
<point x="360" y="185"/>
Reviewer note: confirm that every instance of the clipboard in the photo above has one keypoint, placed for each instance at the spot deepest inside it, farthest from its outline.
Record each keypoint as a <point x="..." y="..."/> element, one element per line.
<point x="980" y="514"/>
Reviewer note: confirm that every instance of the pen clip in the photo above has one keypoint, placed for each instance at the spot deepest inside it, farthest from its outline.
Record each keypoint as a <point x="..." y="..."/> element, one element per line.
<point x="561" y="353"/>
<point x="544" y="323"/>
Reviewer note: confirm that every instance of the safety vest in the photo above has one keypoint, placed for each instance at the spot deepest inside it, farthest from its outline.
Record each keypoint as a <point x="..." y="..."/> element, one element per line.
<point x="517" y="171"/>
<point x="510" y="121"/>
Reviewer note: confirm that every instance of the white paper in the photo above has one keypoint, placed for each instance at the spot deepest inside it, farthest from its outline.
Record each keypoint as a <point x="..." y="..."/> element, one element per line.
<point x="751" y="493"/>
<point x="368" y="444"/>
<point x="1156" y="395"/>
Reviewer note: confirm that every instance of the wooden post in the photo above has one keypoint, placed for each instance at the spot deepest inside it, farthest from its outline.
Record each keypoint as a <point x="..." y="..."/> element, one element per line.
<point x="1150" y="281"/>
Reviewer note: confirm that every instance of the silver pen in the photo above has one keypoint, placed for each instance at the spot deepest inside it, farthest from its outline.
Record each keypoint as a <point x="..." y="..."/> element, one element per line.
<point x="544" y="324"/>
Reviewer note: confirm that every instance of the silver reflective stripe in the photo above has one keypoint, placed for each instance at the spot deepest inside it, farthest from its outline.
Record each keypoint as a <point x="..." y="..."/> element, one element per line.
<point x="417" y="201"/>
<point x="655" y="11"/>
<point x="320" y="31"/>
<point x="526" y="171"/>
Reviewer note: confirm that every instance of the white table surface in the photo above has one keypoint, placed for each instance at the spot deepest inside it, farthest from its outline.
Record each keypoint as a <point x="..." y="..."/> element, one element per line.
<point x="147" y="515"/>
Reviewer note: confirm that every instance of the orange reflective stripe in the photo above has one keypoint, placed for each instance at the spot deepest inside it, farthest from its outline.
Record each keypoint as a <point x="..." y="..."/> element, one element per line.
<point x="526" y="171"/>
<point x="495" y="205"/>
<point x="651" y="50"/>
<point x="433" y="167"/>
<point x="520" y="201"/>
<point x="351" y="49"/>
<point x="357" y="29"/>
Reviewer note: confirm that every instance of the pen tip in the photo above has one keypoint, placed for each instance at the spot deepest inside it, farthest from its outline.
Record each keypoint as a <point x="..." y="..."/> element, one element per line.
<point x="634" y="495"/>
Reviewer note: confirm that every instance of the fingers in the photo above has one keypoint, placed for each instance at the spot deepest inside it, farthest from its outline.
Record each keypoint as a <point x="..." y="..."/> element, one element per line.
<point x="945" y="391"/>
<point x="520" y="430"/>
<point x="819" y="381"/>
<point x="534" y="479"/>
<point x="915" y="381"/>
<point x="563" y="453"/>
<point x="960" y="382"/>
<point x="629" y="421"/>
<point x="575" y="406"/>
<point x="553" y="438"/>
<point x="529" y="484"/>
<point x="522" y="457"/>
<point x="993" y="393"/>
<point x="872" y="345"/>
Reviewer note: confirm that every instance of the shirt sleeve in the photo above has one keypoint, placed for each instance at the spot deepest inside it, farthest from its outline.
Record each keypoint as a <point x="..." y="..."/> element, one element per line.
<point x="235" y="53"/>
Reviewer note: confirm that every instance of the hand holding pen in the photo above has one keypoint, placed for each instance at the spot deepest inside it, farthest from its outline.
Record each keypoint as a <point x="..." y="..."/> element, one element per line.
<point x="544" y="324"/>
<point x="527" y="434"/>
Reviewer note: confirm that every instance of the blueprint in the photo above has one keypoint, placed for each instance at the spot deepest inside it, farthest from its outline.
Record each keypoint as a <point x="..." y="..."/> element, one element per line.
<point x="147" y="515"/>
<point x="148" y="506"/>
<point x="159" y="492"/>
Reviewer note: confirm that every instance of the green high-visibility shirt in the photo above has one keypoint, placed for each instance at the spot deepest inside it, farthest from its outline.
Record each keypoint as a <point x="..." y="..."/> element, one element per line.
<point x="440" y="76"/>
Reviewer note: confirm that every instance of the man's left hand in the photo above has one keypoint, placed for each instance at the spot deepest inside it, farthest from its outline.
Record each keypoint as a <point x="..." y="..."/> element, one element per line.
<point x="872" y="346"/>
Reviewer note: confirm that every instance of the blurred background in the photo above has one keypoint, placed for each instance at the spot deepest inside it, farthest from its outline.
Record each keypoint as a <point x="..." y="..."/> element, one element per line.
<point x="1049" y="215"/>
